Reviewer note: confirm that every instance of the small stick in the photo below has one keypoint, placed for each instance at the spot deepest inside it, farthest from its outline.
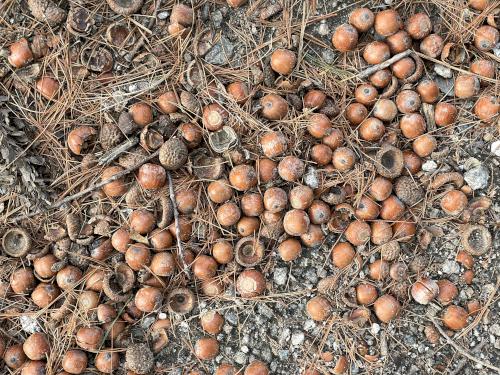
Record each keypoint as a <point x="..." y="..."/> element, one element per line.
<point x="385" y="64"/>
<point x="112" y="154"/>
<point x="89" y="189"/>
<point x="463" y="361"/>
<point x="180" y="248"/>
<point x="462" y="351"/>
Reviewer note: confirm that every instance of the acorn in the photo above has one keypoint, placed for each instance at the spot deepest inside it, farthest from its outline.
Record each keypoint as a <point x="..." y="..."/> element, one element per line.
<point x="182" y="14"/>
<point x="412" y="125"/>
<point x="273" y="144"/>
<point x="14" y="356"/>
<point x="358" y="232"/>
<point x="314" y="99"/>
<point x="381" y="232"/>
<point x="362" y="19"/>
<point x="385" y="110"/>
<point x="366" y="209"/>
<point x="412" y="162"/>
<point x="390" y="250"/>
<point x="342" y="254"/>
<point x="343" y="159"/>
<point x="36" y="347"/>
<point x="454" y="317"/>
<point x="250" y="283"/>
<point x="20" y="53"/>
<point x="319" y="125"/>
<point x="214" y="117"/>
<point x="432" y="45"/>
<point x="289" y="249"/>
<point x="380" y="188"/>
<point x="403" y="68"/>
<point x="318" y="308"/>
<point x="388" y="22"/>
<point x="252" y="204"/>
<point x="267" y="169"/>
<point x="379" y="269"/>
<point x="483" y="67"/>
<point x="487" y="108"/>
<point x="296" y="222"/>
<point x="321" y="154"/>
<point x="345" y="38"/>
<point x="334" y="140"/>
<point x="168" y="102"/>
<point x="392" y="208"/>
<point x="74" y="361"/>
<point x="424" y="145"/>
<point x="371" y="129"/>
<point x="283" y="61"/>
<point x="386" y="308"/>
<point x="212" y="322"/>
<point x="419" y="26"/>
<point x="173" y="154"/>
<point x="151" y="176"/>
<point x="204" y="267"/>
<point x="376" y="52"/>
<point x="256" y="367"/>
<point x="408" y="101"/>
<point x="243" y="177"/>
<point x="445" y="114"/>
<point x="355" y="113"/>
<point x="117" y="187"/>
<point x="454" y="202"/>
<point x="428" y="91"/>
<point x="366" y="294"/>
<point x="466" y="86"/>
<point x="291" y="168"/>
<point x="301" y="197"/>
<point x="16" y="242"/>
<point x="399" y="42"/>
<point x="107" y="361"/>
<point x="366" y="94"/>
<point x="447" y="291"/>
<point x="48" y="87"/>
<point x="274" y="107"/>
<point x="479" y="4"/>
<point x="228" y="214"/>
<point x="424" y="291"/>
<point x="486" y="38"/>
<point x="148" y="299"/>
<point x="381" y="78"/>
<point x="238" y="91"/>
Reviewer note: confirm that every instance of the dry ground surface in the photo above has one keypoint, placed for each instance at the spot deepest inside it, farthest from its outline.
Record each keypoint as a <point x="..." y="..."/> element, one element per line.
<point x="223" y="45"/>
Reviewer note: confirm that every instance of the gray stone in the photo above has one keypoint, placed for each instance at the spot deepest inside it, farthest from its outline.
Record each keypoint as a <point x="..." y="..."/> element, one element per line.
<point x="450" y="267"/>
<point x="280" y="276"/>
<point x="477" y="178"/>
<point x="429" y="166"/>
<point x="443" y="71"/>
<point x="240" y="358"/>
<point x="221" y="52"/>
<point x="297" y="338"/>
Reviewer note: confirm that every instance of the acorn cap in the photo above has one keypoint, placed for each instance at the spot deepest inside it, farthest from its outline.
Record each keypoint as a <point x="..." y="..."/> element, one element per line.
<point x="389" y="161"/>
<point x="16" y="242"/>
<point x="173" y="154"/>
<point x="125" y="7"/>
<point x="110" y="135"/>
<point x="408" y="190"/>
<point x="249" y="251"/>
<point x="139" y="358"/>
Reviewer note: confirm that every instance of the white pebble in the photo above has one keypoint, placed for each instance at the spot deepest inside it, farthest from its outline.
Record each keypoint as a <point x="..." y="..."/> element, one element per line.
<point x="495" y="148"/>
<point x="429" y="166"/>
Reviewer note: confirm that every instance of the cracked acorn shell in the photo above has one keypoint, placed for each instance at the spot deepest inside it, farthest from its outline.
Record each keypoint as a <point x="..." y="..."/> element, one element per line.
<point x="173" y="154"/>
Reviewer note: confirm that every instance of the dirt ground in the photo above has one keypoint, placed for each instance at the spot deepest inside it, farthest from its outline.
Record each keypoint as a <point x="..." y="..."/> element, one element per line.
<point x="223" y="45"/>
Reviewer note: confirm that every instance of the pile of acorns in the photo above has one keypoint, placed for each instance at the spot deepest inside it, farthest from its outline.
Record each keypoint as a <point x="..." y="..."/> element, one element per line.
<point x="263" y="198"/>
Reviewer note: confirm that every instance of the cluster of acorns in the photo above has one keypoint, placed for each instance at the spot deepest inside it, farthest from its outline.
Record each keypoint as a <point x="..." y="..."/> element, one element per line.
<point x="260" y="203"/>
<point x="382" y="215"/>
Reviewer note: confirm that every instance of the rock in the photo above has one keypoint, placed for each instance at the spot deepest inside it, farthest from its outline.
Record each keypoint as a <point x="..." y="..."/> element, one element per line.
<point x="450" y="267"/>
<point x="297" y="338"/>
<point x="29" y="324"/>
<point x="240" y="358"/>
<point x="375" y="329"/>
<point x="495" y="329"/>
<point x="323" y="29"/>
<point x="280" y="276"/>
<point x="221" y="53"/>
<point x="217" y="18"/>
<point x="328" y="56"/>
<point x="429" y="166"/>
<point x="495" y="148"/>
<point x="311" y="178"/>
<point x="443" y="71"/>
<point x="477" y="177"/>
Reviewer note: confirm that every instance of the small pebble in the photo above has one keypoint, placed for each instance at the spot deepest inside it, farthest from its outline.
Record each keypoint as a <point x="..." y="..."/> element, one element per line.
<point x="443" y="71"/>
<point x="495" y="148"/>
<point x="429" y="166"/>
<point x="477" y="178"/>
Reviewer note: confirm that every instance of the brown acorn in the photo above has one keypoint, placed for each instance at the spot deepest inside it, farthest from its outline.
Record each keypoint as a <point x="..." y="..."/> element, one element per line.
<point x="345" y="38"/>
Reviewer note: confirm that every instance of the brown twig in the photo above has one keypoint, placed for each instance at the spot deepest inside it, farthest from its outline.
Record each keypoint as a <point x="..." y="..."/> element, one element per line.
<point x="462" y="351"/>
<point x="88" y="190"/>
<point x="112" y="154"/>
<point x="180" y="248"/>
<point x="375" y="68"/>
